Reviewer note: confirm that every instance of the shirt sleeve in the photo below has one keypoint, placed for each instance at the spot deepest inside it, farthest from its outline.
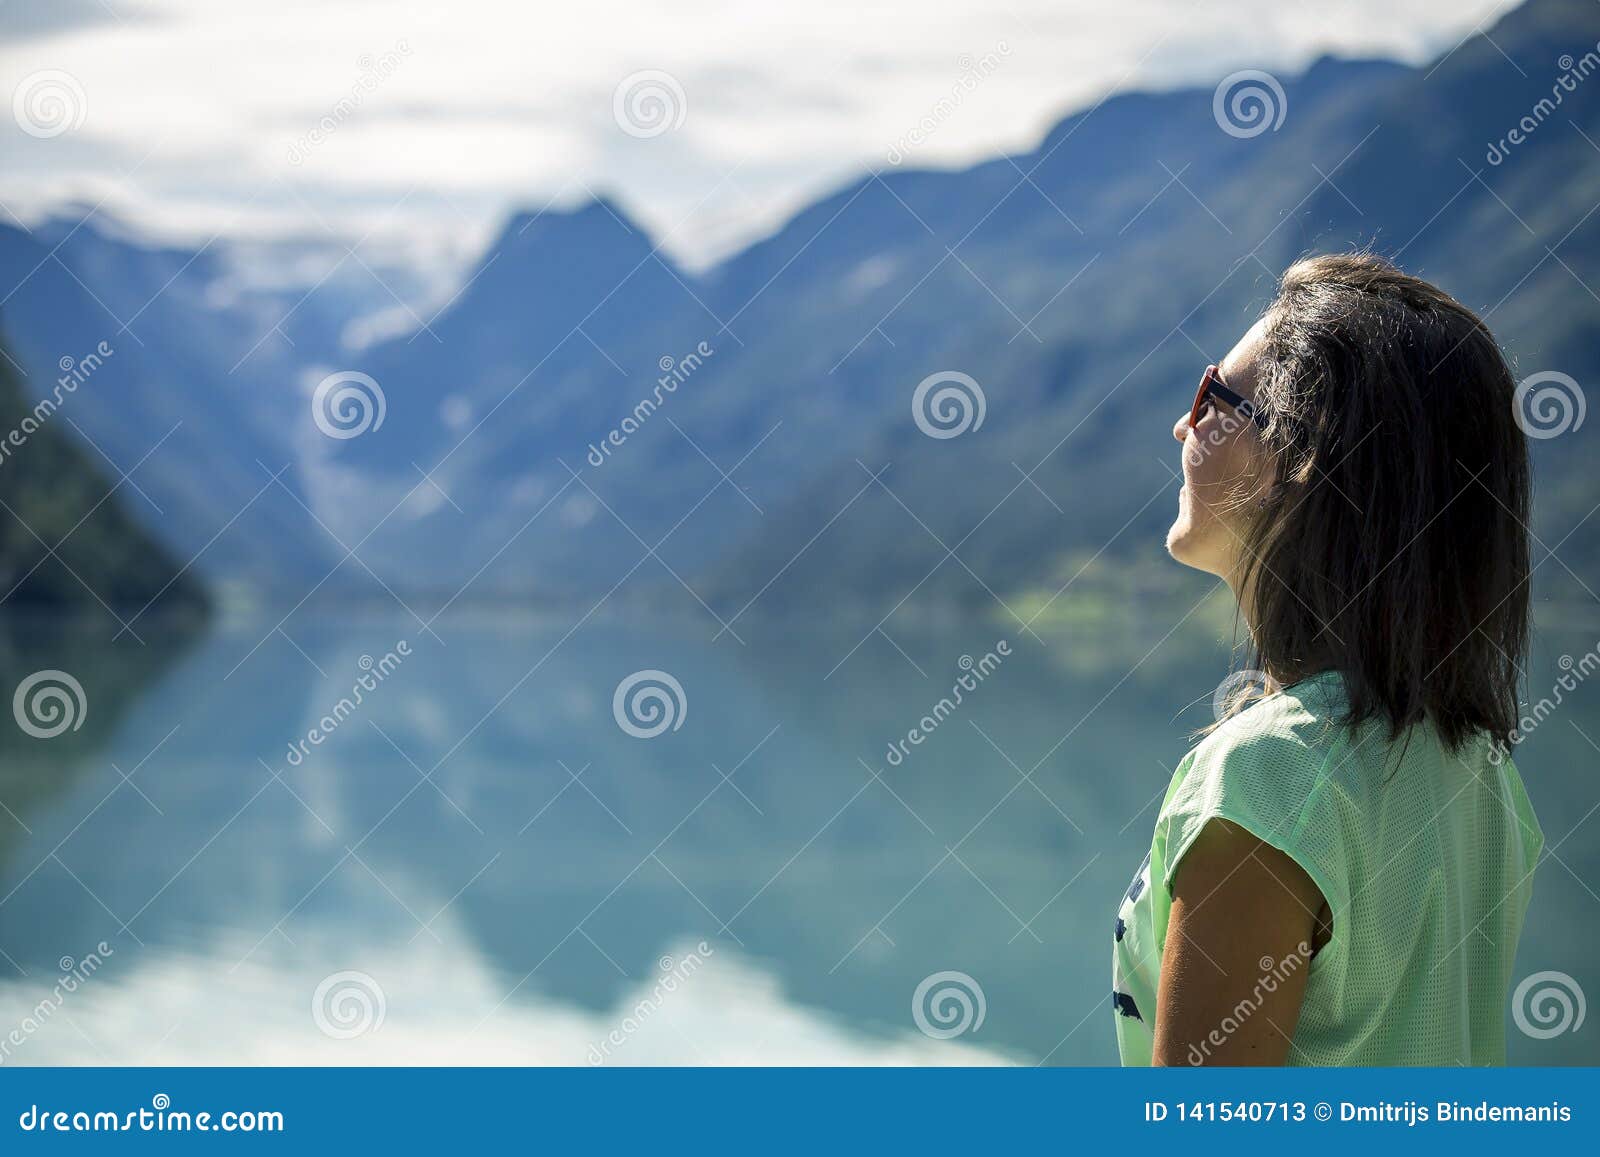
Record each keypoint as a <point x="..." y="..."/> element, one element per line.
<point x="1270" y="782"/>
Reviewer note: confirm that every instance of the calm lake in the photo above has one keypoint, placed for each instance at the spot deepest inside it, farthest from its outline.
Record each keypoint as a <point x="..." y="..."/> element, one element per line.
<point x="478" y="863"/>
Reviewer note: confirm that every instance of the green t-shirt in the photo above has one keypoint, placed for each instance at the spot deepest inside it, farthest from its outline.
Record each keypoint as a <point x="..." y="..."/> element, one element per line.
<point x="1425" y="859"/>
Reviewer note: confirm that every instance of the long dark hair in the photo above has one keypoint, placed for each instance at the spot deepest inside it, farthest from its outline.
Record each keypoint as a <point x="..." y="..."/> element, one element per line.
<point x="1392" y="542"/>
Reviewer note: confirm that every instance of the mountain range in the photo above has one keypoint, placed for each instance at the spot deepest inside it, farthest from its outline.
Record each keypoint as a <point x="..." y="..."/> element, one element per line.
<point x="68" y="544"/>
<point x="585" y="412"/>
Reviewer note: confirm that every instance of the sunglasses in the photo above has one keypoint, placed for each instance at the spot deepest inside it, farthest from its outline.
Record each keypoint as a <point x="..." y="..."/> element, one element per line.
<point x="1212" y="386"/>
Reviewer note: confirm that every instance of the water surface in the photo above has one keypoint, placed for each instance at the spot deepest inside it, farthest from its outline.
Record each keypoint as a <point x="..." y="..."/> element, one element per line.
<point x="510" y="876"/>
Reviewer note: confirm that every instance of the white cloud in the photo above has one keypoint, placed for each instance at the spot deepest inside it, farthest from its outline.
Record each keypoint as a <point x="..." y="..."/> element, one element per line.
<point x="500" y="104"/>
<point x="247" y="1002"/>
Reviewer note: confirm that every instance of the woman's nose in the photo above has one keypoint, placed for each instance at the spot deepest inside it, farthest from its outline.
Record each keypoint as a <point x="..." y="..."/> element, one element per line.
<point x="1180" y="429"/>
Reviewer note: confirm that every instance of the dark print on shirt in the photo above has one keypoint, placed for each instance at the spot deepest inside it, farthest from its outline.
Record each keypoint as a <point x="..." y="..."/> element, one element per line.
<point x="1137" y="886"/>
<point x="1124" y="1005"/>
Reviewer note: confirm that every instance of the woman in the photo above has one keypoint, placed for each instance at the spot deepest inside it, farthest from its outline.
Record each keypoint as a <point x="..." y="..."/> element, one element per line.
<point x="1340" y="869"/>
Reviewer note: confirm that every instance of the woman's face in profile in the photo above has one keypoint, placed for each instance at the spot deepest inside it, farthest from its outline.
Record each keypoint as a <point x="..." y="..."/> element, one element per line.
<point x="1222" y="470"/>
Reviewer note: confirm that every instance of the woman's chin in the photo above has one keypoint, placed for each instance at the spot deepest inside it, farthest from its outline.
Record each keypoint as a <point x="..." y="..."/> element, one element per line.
<point x="1190" y="548"/>
<point x="1177" y="538"/>
<point x="1183" y="544"/>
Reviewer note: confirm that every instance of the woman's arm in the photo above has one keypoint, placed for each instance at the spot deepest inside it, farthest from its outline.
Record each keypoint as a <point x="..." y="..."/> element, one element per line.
<point x="1234" y="967"/>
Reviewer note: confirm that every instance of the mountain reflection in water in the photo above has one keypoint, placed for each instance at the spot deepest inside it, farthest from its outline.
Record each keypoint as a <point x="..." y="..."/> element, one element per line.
<point x="482" y="854"/>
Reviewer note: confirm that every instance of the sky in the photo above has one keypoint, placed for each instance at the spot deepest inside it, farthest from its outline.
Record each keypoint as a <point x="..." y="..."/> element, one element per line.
<point x="421" y="126"/>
